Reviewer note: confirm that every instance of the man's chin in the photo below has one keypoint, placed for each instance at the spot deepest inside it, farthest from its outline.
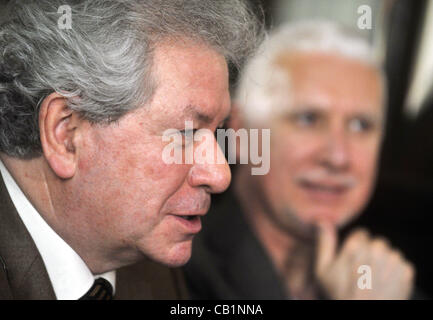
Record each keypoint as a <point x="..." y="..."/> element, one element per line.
<point x="177" y="256"/>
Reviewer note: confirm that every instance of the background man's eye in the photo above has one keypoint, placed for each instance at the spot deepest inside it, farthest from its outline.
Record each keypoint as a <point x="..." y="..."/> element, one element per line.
<point x="360" y="125"/>
<point x="306" y="119"/>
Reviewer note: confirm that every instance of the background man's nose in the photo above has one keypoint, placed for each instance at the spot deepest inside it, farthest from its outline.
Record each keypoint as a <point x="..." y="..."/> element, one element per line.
<point x="215" y="177"/>
<point x="335" y="154"/>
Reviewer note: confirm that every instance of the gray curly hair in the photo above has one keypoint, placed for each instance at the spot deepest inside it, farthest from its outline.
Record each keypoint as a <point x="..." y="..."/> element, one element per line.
<point x="103" y="64"/>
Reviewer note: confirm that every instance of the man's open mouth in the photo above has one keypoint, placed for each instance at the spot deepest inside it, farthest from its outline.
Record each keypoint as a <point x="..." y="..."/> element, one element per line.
<point x="189" y="218"/>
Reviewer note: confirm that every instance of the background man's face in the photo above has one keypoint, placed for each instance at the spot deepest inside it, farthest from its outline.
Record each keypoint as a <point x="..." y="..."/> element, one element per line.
<point x="325" y="144"/>
<point x="134" y="199"/>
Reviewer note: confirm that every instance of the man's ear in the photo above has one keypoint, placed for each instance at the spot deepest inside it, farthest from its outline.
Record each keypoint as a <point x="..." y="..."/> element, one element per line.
<point x="57" y="127"/>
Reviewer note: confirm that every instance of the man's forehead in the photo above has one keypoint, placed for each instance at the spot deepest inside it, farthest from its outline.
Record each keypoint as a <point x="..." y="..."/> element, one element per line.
<point x="291" y="58"/>
<point x="189" y="59"/>
<point x="324" y="79"/>
<point x="192" y="83"/>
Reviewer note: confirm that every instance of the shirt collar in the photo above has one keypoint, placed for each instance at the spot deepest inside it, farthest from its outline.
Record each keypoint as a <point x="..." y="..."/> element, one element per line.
<point x="69" y="275"/>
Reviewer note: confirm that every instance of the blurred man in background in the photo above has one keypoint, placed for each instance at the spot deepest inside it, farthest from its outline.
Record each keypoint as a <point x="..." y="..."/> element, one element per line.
<point x="320" y="90"/>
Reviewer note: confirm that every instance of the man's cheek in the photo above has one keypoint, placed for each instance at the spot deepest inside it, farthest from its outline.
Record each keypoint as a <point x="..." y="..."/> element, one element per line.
<point x="364" y="170"/>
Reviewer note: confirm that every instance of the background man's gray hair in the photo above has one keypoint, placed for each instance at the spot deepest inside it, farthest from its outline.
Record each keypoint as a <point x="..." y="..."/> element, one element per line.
<point x="261" y="83"/>
<point x="103" y="64"/>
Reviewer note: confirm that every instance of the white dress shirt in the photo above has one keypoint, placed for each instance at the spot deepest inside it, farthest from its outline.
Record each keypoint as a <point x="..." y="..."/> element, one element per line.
<point x="69" y="275"/>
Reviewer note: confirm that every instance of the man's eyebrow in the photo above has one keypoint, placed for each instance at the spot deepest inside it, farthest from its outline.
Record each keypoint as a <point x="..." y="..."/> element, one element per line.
<point x="194" y="113"/>
<point x="370" y="115"/>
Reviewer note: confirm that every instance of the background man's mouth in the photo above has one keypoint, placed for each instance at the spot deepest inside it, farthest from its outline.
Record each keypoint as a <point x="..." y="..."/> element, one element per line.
<point x="325" y="188"/>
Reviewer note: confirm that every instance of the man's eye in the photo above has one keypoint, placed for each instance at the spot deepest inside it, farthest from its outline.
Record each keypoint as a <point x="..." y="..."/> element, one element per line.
<point x="188" y="132"/>
<point x="360" y="125"/>
<point x="306" y="119"/>
<point x="187" y="136"/>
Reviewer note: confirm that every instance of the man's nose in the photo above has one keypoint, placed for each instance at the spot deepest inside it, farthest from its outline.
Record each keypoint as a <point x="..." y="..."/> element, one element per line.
<point x="335" y="155"/>
<point x="214" y="176"/>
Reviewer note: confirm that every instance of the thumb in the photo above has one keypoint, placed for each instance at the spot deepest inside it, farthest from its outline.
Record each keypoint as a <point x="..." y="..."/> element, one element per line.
<point x="326" y="247"/>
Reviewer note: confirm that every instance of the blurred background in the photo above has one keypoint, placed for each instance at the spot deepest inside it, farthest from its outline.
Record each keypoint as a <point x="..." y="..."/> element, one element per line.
<point x="401" y="208"/>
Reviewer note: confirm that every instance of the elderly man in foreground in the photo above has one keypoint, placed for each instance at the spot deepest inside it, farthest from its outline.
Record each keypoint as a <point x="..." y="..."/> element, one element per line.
<point x="275" y="236"/>
<point x="84" y="102"/>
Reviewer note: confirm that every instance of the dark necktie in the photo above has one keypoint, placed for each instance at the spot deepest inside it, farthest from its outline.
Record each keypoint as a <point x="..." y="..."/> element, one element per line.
<point x="101" y="290"/>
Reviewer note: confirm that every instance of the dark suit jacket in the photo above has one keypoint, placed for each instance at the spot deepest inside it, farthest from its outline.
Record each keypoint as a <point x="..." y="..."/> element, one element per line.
<point x="228" y="261"/>
<point x="23" y="274"/>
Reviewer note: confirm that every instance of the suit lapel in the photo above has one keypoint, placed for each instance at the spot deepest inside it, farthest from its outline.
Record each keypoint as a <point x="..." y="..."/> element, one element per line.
<point x="149" y="280"/>
<point x="25" y="270"/>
